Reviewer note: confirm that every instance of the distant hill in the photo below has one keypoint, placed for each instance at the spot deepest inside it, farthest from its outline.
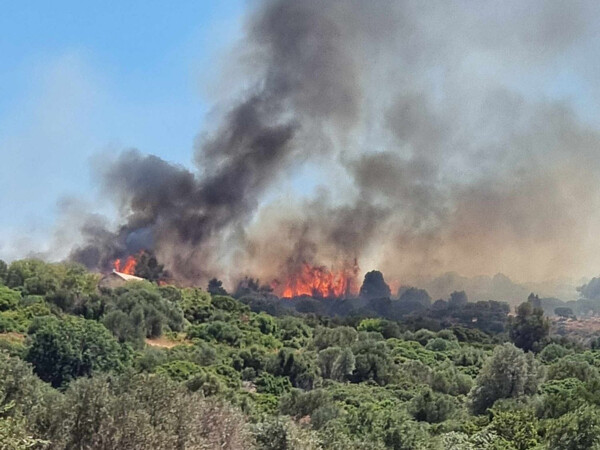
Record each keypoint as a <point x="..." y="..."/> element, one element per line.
<point x="499" y="287"/>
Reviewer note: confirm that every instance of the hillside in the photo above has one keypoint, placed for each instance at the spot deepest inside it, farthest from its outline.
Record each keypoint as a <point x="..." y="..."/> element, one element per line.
<point x="143" y="366"/>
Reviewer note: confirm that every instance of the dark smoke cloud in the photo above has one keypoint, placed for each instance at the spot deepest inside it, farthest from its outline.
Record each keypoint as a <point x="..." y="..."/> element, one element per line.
<point x="434" y="129"/>
<point x="299" y="53"/>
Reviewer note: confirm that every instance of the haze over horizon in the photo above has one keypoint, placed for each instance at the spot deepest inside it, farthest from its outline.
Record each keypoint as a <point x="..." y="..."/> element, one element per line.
<point x="418" y="139"/>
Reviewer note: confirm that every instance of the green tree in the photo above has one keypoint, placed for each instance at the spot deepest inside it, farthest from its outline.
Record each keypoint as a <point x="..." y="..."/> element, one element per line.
<point x="508" y="373"/>
<point x="326" y="359"/>
<point x="343" y="365"/>
<point x="576" y="430"/>
<point x="196" y="305"/>
<point x="179" y="370"/>
<point x="143" y="412"/>
<point x="370" y="325"/>
<point x="561" y="396"/>
<point x="9" y="299"/>
<point x="265" y="323"/>
<point x="519" y="427"/>
<point x="553" y="352"/>
<point x="3" y="272"/>
<point x="283" y="434"/>
<point x="432" y="407"/>
<point x="14" y="434"/>
<point x="401" y="433"/>
<point x="216" y="331"/>
<point x="529" y="327"/>
<point x="62" y="350"/>
<point x="334" y="337"/>
<point x="298" y="366"/>
<point x="20" y="390"/>
<point x="138" y="310"/>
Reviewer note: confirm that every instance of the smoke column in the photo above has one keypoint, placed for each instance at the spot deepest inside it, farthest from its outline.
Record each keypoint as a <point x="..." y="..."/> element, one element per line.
<point x="439" y="134"/>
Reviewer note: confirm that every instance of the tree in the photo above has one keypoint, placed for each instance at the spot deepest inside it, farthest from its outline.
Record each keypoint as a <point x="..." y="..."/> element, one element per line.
<point x="9" y="299"/>
<point x="370" y="325"/>
<point x="19" y="387"/>
<point x="534" y="300"/>
<point x="529" y="327"/>
<point x="591" y="290"/>
<point x="565" y="312"/>
<point x="373" y="362"/>
<point x="432" y="407"/>
<point x="415" y="295"/>
<point x="62" y="350"/>
<point x="3" y="272"/>
<point x="508" y="373"/>
<point x="143" y="412"/>
<point x="265" y="323"/>
<point x="553" y="352"/>
<point x="196" y="305"/>
<point x="334" y="337"/>
<point x="326" y="359"/>
<point x="148" y="267"/>
<point x="140" y="311"/>
<point x="343" y="365"/>
<point x="458" y="299"/>
<point x="576" y="430"/>
<point x="283" y="434"/>
<point x="374" y="286"/>
<point x="216" y="331"/>
<point x="14" y="434"/>
<point x="519" y="427"/>
<point x="215" y="287"/>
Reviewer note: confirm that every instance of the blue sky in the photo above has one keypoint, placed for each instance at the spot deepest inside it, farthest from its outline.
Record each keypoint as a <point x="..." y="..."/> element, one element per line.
<point x="80" y="78"/>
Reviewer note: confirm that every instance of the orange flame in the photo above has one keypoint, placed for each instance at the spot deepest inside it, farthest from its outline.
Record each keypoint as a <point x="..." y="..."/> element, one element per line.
<point x="128" y="267"/>
<point x="318" y="281"/>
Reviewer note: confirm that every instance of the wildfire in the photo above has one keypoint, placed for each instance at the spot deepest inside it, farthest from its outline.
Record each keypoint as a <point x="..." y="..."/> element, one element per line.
<point x="127" y="267"/>
<point x="318" y="281"/>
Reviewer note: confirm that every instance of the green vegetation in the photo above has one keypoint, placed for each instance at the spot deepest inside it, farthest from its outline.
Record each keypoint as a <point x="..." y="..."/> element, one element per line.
<point x="145" y="366"/>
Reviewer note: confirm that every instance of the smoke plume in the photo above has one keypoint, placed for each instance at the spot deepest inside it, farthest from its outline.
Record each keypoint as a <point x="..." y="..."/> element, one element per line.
<point x="436" y="136"/>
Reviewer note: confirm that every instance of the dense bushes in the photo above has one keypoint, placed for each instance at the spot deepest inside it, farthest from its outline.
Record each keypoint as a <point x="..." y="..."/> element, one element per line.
<point x="81" y="367"/>
<point x="62" y="350"/>
<point x="509" y="373"/>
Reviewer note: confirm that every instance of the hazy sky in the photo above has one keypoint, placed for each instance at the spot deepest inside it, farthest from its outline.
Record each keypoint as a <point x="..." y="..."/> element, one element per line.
<point x="78" y="78"/>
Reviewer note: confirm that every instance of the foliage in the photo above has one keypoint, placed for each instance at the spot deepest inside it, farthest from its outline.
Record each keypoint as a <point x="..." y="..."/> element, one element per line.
<point x="577" y="429"/>
<point x="529" y="327"/>
<point x="14" y="434"/>
<point x="432" y="407"/>
<point x="9" y="299"/>
<point x="385" y="373"/>
<point x="508" y="373"/>
<point x="138" y="311"/>
<point x="147" y="267"/>
<point x="62" y="350"/>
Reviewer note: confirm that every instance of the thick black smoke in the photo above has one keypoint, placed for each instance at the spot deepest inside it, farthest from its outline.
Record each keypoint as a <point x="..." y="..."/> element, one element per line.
<point x="428" y="127"/>
<point x="299" y="54"/>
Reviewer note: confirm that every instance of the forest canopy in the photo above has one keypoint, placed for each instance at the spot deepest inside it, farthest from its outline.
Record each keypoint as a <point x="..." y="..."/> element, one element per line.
<point x="145" y="365"/>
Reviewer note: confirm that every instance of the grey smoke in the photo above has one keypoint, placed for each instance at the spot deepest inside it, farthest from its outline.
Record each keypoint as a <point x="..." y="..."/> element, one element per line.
<point x="431" y="123"/>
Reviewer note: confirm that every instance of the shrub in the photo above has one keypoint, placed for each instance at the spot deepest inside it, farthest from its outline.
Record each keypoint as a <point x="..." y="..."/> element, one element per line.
<point x="62" y="350"/>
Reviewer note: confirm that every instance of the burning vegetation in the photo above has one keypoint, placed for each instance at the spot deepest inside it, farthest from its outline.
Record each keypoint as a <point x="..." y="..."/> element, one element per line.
<point x="144" y="265"/>
<point x="319" y="282"/>
<point x="127" y="266"/>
